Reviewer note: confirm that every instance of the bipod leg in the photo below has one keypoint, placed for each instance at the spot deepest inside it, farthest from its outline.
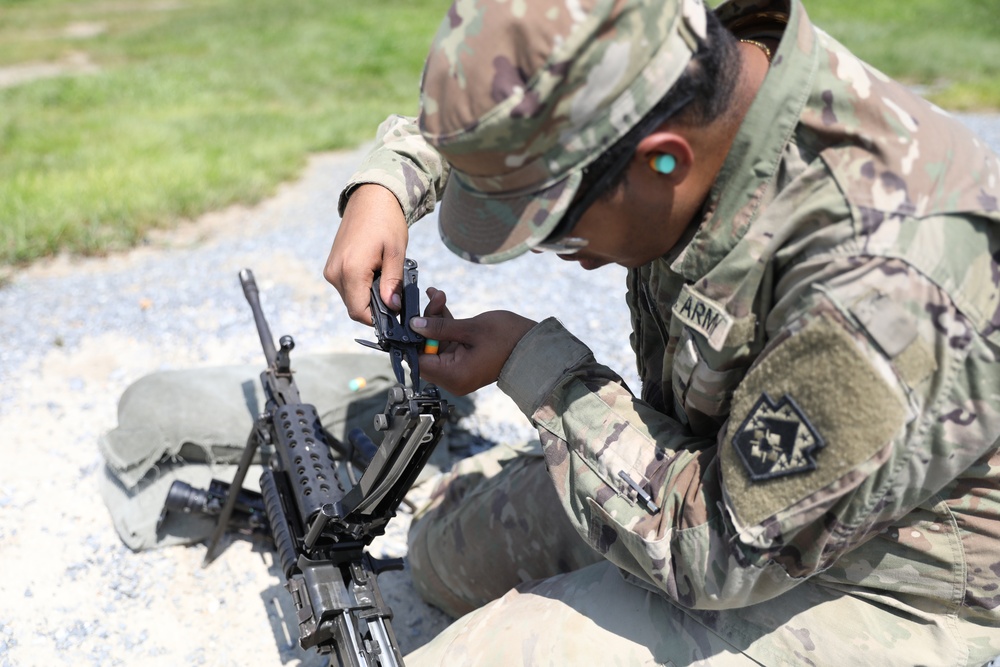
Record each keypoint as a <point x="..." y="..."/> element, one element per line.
<point x="234" y="491"/>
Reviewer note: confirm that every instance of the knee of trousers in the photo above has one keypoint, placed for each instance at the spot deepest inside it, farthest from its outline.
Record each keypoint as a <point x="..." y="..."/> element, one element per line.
<point x="485" y="534"/>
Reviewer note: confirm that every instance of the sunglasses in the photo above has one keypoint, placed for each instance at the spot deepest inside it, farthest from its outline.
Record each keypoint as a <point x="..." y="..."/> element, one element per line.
<point x="564" y="246"/>
<point x="560" y="240"/>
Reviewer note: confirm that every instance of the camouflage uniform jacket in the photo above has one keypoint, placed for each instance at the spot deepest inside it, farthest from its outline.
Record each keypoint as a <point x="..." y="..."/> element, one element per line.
<point x="820" y="360"/>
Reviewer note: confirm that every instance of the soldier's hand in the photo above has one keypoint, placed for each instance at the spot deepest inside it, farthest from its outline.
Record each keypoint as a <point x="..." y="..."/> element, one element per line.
<point x="473" y="351"/>
<point x="372" y="236"/>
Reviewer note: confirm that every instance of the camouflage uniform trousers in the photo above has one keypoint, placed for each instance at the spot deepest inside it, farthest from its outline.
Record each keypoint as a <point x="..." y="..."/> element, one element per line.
<point x="494" y="549"/>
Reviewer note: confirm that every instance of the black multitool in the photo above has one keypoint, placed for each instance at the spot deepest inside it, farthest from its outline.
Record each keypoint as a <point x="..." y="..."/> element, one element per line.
<point x="393" y="330"/>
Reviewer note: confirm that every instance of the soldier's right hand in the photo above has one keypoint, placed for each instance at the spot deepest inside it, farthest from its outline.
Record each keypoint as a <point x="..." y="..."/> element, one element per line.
<point x="372" y="237"/>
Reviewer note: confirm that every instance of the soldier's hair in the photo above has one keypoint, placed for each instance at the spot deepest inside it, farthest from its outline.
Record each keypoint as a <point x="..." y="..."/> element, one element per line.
<point x="709" y="82"/>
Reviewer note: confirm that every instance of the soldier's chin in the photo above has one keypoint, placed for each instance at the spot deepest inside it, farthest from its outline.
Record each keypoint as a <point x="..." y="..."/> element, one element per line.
<point x="587" y="263"/>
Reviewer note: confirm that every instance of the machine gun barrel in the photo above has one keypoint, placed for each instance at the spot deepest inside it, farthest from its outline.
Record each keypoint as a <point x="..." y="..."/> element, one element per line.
<point x="279" y="389"/>
<point x="263" y="330"/>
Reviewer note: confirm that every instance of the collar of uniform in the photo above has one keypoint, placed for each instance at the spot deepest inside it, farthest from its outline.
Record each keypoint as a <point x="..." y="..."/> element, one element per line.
<point x="753" y="160"/>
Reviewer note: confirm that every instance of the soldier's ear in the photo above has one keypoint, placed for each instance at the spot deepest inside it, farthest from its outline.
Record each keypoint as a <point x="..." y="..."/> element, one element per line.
<point x="668" y="154"/>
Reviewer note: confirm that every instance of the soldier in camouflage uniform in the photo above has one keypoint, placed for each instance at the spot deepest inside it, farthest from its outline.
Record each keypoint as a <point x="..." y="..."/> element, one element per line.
<point x="811" y="474"/>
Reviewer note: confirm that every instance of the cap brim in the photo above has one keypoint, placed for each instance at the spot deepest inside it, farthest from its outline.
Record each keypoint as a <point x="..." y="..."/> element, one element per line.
<point x="491" y="229"/>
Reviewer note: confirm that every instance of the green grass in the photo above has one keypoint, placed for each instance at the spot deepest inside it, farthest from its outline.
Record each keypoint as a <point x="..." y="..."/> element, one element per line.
<point x="951" y="48"/>
<point x="197" y="105"/>
<point x="201" y="103"/>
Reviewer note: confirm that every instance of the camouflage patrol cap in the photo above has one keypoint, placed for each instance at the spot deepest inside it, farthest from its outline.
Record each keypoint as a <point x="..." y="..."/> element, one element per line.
<point x="520" y="96"/>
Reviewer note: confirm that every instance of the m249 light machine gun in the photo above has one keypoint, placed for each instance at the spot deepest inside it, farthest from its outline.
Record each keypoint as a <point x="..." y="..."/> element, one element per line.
<point x="319" y="512"/>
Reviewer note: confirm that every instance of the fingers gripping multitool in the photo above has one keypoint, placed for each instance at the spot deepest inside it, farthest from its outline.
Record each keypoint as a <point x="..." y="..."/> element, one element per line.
<point x="393" y="331"/>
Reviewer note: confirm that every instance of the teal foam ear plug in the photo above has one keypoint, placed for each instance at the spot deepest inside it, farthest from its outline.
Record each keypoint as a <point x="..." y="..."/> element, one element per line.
<point x="664" y="164"/>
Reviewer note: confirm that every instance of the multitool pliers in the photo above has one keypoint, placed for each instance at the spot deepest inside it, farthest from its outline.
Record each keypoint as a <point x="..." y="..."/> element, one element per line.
<point x="393" y="330"/>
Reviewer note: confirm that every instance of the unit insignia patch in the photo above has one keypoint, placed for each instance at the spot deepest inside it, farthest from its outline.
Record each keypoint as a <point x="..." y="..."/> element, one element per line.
<point x="776" y="439"/>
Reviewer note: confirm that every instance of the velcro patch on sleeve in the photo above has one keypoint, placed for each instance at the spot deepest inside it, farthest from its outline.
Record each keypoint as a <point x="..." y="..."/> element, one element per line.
<point x="810" y="412"/>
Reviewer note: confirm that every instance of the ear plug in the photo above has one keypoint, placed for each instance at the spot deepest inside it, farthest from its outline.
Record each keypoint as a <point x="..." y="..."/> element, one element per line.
<point x="664" y="164"/>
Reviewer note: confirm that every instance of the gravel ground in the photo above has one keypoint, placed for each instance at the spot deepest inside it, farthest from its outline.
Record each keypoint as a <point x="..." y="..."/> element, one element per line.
<point x="77" y="332"/>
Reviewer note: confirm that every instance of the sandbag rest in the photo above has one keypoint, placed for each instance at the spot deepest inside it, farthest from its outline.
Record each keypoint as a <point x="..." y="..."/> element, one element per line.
<point x="192" y="425"/>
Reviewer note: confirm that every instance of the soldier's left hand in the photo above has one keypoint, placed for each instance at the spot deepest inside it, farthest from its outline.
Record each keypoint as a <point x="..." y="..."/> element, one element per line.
<point x="472" y="351"/>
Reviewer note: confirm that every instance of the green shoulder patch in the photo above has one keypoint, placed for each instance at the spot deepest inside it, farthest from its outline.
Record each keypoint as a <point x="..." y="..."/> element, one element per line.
<point x="843" y="412"/>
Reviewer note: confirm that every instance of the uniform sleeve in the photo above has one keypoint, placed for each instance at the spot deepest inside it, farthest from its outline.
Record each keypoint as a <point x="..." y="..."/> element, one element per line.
<point x="405" y="164"/>
<point x="842" y="426"/>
